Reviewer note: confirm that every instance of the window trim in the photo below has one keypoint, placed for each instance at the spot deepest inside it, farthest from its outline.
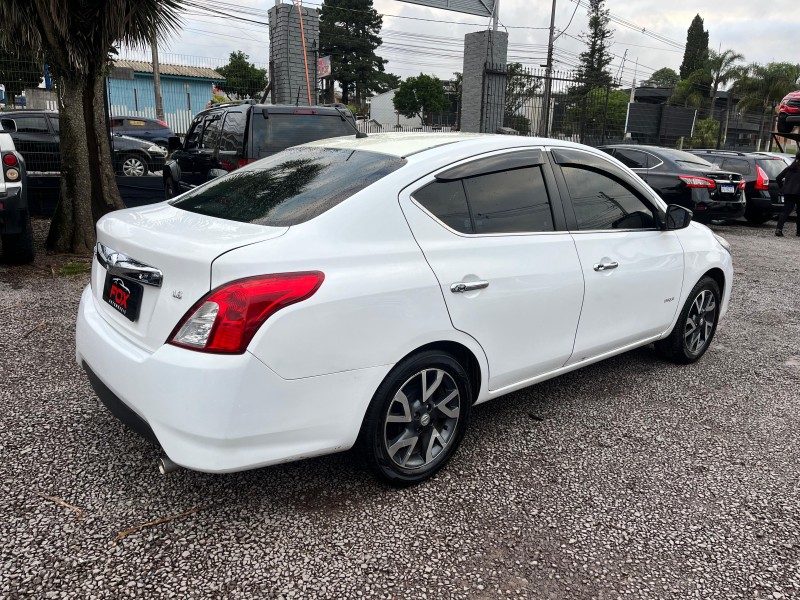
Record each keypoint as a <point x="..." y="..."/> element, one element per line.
<point x="551" y="185"/>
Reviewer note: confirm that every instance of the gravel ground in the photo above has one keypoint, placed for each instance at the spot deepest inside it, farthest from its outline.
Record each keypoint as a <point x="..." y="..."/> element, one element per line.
<point x="633" y="478"/>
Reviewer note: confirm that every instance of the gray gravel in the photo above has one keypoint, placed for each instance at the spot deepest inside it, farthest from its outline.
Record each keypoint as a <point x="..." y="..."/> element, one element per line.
<point x="633" y="478"/>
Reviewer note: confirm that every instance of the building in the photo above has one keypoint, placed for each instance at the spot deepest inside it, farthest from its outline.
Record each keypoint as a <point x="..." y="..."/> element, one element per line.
<point x="381" y="110"/>
<point x="184" y="91"/>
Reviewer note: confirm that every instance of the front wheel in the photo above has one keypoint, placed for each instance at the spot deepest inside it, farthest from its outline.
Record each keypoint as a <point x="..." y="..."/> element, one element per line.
<point x="696" y="325"/>
<point x="133" y="165"/>
<point x="416" y="419"/>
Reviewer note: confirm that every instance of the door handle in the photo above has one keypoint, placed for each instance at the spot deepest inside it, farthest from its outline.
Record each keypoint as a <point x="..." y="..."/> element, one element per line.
<point x="605" y="266"/>
<point x="468" y="286"/>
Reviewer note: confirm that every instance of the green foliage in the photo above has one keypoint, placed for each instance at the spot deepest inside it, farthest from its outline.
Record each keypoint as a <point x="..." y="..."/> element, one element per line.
<point x="18" y="73"/>
<point x="74" y="268"/>
<point x="594" y="61"/>
<point x="348" y="32"/>
<point x="421" y="97"/>
<point x="705" y="134"/>
<point x="692" y="91"/>
<point x="695" y="56"/>
<point x="242" y="78"/>
<point x="662" y="78"/>
<point x="593" y="113"/>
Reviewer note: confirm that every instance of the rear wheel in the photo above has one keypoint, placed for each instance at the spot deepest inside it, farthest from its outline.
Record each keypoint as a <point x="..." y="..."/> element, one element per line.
<point x="18" y="247"/>
<point x="696" y="324"/>
<point x="756" y="217"/>
<point x="417" y="418"/>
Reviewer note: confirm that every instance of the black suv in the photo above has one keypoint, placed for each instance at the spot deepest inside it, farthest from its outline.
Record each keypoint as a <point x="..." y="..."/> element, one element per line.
<point x="764" y="199"/>
<point x="230" y="135"/>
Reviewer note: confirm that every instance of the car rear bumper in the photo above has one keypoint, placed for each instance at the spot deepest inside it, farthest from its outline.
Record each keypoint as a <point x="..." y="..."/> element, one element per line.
<point x="13" y="210"/>
<point x="792" y="118"/>
<point x="218" y="413"/>
<point x="711" y="211"/>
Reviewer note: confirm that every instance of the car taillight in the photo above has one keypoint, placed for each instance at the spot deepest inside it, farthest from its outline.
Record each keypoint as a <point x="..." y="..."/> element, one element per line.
<point x="741" y="185"/>
<point x="762" y="181"/>
<point x="227" y="318"/>
<point x="163" y="124"/>
<point x="9" y="160"/>
<point x="693" y="181"/>
<point x="789" y="109"/>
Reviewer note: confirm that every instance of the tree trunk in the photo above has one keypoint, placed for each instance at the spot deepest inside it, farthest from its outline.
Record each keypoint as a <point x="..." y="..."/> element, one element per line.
<point x="88" y="185"/>
<point x="345" y="93"/>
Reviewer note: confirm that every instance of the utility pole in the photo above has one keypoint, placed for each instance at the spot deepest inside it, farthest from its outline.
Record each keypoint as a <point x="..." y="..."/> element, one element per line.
<point x="157" y="78"/>
<point x="548" y="80"/>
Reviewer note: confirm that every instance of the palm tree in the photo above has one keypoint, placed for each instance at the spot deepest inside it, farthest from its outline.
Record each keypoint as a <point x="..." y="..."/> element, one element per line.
<point x="763" y="86"/>
<point x="76" y="37"/>
<point x="723" y="69"/>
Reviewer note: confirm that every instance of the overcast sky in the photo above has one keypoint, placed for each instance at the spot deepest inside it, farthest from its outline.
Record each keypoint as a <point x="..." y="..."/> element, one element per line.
<point x="418" y="39"/>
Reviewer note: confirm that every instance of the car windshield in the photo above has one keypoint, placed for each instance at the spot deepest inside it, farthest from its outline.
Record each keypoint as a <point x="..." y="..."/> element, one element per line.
<point x="772" y="166"/>
<point x="291" y="187"/>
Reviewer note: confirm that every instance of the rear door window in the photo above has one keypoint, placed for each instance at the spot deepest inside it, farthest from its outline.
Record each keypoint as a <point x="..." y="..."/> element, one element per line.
<point x="281" y="131"/>
<point x="635" y="159"/>
<point x="291" y="187"/>
<point x="31" y="124"/>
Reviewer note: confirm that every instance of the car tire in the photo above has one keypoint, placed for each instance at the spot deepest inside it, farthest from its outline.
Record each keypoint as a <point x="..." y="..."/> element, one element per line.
<point x="170" y="189"/>
<point x="133" y="165"/>
<point x="756" y="217"/>
<point x="783" y="126"/>
<point x="696" y="325"/>
<point x="18" y="247"/>
<point x="416" y="419"/>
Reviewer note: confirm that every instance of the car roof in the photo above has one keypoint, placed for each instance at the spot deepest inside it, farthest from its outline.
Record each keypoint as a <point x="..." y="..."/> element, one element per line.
<point x="403" y="145"/>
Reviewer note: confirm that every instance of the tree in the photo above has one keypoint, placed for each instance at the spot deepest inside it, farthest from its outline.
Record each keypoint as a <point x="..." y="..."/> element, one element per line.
<point x="242" y="78"/>
<point x="705" y="134"/>
<point x="695" y="56"/>
<point x="77" y="37"/>
<point x="662" y="78"/>
<point x="692" y="91"/>
<point x="762" y="87"/>
<point x="521" y="86"/>
<point x="348" y="32"/>
<point x="18" y="73"/>
<point x="420" y="97"/>
<point x="594" y="61"/>
<point x="723" y="69"/>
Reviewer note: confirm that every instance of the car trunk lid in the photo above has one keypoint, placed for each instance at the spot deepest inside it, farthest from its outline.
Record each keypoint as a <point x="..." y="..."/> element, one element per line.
<point x="152" y="264"/>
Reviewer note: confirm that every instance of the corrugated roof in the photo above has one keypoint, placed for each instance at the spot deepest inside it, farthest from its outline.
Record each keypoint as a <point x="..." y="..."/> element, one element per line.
<point x="140" y="66"/>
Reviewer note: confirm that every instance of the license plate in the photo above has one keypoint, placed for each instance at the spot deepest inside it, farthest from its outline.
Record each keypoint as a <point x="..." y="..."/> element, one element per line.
<point x="123" y="295"/>
<point x="728" y="189"/>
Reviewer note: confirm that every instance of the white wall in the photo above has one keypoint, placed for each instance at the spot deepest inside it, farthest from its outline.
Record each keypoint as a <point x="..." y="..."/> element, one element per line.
<point x="382" y="111"/>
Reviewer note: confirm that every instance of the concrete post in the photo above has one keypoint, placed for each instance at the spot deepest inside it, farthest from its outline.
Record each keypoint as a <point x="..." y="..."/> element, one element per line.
<point x="483" y="91"/>
<point x="286" y="53"/>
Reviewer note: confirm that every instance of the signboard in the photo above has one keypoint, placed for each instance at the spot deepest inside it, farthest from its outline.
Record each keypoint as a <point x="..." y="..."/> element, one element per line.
<point x="482" y="8"/>
<point x="323" y="67"/>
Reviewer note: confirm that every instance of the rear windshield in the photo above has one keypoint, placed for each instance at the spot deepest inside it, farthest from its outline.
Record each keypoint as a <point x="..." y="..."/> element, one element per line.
<point x="291" y="187"/>
<point x="281" y="131"/>
<point x="683" y="157"/>
<point x="772" y="166"/>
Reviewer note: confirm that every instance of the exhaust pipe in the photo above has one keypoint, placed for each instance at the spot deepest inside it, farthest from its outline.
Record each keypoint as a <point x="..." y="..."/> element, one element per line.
<point x="165" y="465"/>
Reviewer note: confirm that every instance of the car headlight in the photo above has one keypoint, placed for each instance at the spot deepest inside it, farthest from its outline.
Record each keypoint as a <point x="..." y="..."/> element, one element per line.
<point x="156" y="149"/>
<point x="724" y="243"/>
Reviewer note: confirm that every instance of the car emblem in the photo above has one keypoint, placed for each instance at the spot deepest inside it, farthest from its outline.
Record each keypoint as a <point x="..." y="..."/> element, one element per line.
<point x="177" y="294"/>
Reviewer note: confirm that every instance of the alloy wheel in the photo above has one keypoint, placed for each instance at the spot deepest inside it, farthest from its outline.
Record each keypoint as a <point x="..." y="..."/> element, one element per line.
<point x="422" y="419"/>
<point x="133" y="167"/>
<point x="700" y="321"/>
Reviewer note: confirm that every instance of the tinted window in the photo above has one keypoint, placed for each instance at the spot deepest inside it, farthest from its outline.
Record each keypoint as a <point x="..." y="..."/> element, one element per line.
<point x="631" y="158"/>
<point x="281" y="131"/>
<point x="601" y="202"/>
<point x="116" y="122"/>
<point x="195" y="135"/>
<point x="291" y="187"/>
<point x="448" y="203"/>
<point x="31" y="124"/>
<point x="771" y="166"/>
<point x="737" y="165"/>
<point x="509" y="201"/>
<point x="233" y="132"/>
<point x="212" y="133"/>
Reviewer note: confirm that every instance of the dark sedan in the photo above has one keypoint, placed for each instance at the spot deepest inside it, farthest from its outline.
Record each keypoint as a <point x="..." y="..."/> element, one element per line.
<point x="685" y="179"/>
<point x="135" y="158"/>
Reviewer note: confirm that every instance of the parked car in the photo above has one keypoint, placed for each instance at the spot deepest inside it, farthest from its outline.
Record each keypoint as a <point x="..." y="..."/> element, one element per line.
<point x="764" y="199"/>
<point x="369" y="291"/>
<point x="143" y="128"/>
<point x="38" y="140"/>
<point x="686" y="180"/>
<point x="784" y="156"/>
<point x="230" y="135"/>
<point x="789" y="112"/>
<point x="16" y="233"/>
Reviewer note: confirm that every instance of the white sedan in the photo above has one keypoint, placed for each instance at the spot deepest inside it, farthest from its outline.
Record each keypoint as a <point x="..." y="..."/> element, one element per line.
<point x="370" y="291"/>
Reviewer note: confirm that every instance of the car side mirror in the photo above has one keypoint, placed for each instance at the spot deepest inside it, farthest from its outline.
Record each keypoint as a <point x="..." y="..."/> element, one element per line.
<point x="677" y="217"/>
<point x="8" y="125"/>
<point x="173" y="143"/>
